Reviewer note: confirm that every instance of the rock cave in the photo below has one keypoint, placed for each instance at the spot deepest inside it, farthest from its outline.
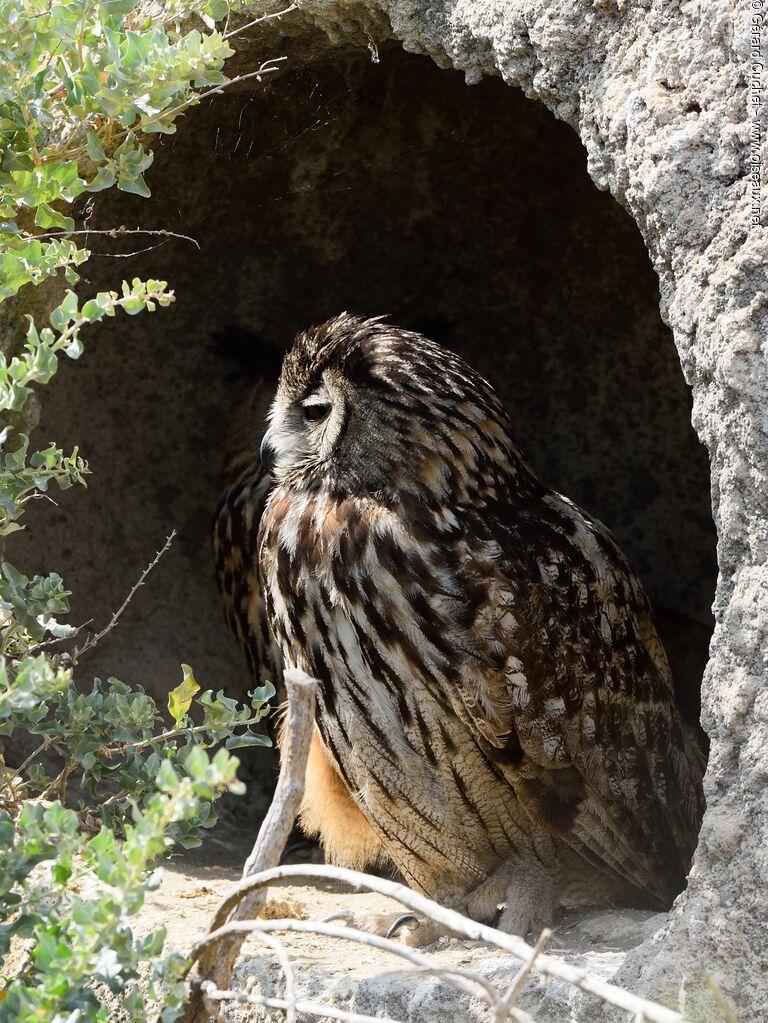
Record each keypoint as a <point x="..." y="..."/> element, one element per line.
<point x="435" y="186"/>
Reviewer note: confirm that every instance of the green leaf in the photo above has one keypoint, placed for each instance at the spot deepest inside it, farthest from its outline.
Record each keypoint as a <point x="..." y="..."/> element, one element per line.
<point x="261" y="694"/>
<point x="105" y="178"/>
<point x="248" y="739"/>
<point x="134" y="183"/>
<point x="48" y="217"/>
<point x="180" y="699"/>
<point x="92" y="311"/>
<point x="65" y="312"/>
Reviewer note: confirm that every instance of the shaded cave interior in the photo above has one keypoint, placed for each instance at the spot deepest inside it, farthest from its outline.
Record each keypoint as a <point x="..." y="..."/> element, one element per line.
<point x="390" y="187"/>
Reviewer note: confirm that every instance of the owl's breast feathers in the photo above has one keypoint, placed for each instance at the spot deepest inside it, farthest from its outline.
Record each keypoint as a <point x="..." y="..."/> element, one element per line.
<point x="522" y="617"/>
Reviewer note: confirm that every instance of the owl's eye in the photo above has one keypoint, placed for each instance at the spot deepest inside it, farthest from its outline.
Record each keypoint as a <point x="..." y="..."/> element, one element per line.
<point x="315" y="410"/>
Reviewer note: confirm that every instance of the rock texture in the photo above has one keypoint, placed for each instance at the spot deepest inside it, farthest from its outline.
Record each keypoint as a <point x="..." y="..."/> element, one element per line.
<point x="363" y="980"/>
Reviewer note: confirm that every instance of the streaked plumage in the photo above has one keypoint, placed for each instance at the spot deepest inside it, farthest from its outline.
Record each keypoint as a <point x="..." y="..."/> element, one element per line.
<point x="497" y="713"/>
<point x="235" y="532"/>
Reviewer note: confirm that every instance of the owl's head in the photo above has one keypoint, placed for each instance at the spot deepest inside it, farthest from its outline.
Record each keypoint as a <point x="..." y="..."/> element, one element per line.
<point x="366" y="408"/>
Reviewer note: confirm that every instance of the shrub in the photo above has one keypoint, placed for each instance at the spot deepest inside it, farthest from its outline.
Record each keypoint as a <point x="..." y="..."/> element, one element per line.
<point x="106" y="789"/>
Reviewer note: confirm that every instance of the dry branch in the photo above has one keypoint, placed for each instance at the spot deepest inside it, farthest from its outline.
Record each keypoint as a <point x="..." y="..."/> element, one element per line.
<point x="260" y="20"/>
<point x="465" y="980"/>
<point x="547" y="966"/>
<point x="216" y="963"/>
<point x="525" y="970"/>
<point x="93" y="640"/>
<point x="307" y="1008"/>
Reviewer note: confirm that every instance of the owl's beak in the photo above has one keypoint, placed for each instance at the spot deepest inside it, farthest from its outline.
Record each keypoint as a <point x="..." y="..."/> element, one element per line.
<point x="267" y="453"/>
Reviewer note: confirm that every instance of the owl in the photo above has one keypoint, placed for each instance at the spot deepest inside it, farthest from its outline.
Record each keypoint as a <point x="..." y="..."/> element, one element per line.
<point x="496" y="715"/>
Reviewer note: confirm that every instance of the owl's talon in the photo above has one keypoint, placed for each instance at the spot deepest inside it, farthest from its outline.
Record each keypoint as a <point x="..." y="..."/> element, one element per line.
<point x="405" y="927"/>
<point x="406" y="920"/>
<point x="341" y="914"/>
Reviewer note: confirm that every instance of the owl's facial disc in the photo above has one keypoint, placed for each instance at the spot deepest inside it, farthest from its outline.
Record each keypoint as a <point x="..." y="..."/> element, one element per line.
<point x="363" y="408"/>
<point x="303" y="430"/>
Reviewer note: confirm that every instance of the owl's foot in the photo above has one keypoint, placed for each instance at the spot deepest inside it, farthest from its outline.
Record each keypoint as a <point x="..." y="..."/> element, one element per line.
<point x="531" y="902"/>
<point x="518" y="897"/>
<point x="526" y="891"/>
<point x="408" y="928"/>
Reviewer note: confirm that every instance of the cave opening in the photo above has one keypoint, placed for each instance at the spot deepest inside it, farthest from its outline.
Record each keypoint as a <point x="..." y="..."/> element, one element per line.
<point x="389" y="187"/>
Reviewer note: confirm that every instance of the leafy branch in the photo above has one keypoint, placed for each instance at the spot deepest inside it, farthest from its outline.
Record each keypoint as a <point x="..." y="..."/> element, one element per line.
<point x="77" y="939"/>
<point x="84" y="86"/>
<point x="111" y="735"/>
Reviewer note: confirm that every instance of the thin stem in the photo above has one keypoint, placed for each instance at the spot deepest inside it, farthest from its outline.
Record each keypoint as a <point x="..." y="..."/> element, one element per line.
<point x="42" y="748"/>
<point x="116" y="232"/>
<point x="115" y="798"/>
<point x="462" y="979"/>
<point x="290" y="977"/>
<point x="30" y="136"/>
<point x="172" y="733"/>
<point x="525" y="970"/>
<point x="305" y="1008"/>
<point x="54" y="641"/>
<point x="7" y="775"/>
<point x="258" y="21"/>
<point x="266" y="68"/>
<point x="218" y="965"/>
<point x="91" y="643"/>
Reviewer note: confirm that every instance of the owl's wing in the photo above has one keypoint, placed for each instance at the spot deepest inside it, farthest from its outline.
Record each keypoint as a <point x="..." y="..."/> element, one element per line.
<point x="235" y="531"/>
<point x="568" y="686"/>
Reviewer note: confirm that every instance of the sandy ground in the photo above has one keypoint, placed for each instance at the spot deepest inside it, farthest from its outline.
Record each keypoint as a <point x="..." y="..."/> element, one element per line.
<point x="346" y="974"/>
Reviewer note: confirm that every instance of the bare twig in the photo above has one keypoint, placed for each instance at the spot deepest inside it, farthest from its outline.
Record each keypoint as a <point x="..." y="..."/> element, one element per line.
<point x="217" y="961"/>
<point x="57" y="639"/>
<point x="132" y="253"/>
<point x="258" y="21"/>
<point x="491" y="995"/>
<point x="501" y="1012"/>
<point x="42" y="748"/>
<point x="37" y="496"/>
<point x="171" y="733"/>
<point x="520" y="1015"/>
<point x="546" y="965"/>
<point x="118" y="232"/>
<point x="524" y="972"/>
<point x="93" y="640"/>
<point x="7" y="777"/>
<point x="58" y="785"/>
<point x="465" y="980"/>
<point x="276" y="826"/>
<point x="305" y="1008"/>
<point x="115" y="798"/>
<point x="290" y="979"/>
<point x="265" y="69"/>
<point x="209" y="989"/>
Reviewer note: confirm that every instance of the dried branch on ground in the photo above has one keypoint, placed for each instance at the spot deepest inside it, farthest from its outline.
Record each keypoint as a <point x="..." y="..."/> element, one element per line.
<point x="216" y="964"/>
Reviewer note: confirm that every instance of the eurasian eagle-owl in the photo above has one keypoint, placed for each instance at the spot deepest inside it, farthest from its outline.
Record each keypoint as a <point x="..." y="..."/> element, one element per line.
<point x="496" y="713"/>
